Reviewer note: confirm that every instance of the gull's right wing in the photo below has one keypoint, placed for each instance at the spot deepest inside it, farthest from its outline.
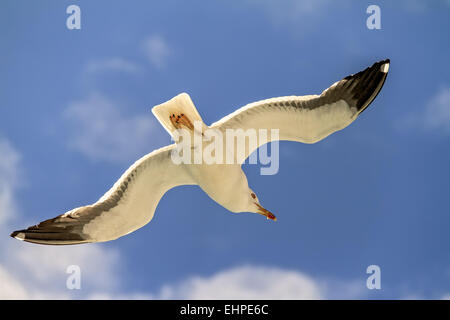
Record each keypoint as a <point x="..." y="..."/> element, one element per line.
<point x="127" y="206"/>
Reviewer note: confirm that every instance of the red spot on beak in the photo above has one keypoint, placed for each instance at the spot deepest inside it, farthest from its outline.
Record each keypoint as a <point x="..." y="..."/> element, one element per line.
<point x="269" y="215"/>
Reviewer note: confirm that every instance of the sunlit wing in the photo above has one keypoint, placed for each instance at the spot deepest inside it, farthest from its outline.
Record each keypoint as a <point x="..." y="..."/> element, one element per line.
<point x="311" y="118"/>
<point x="127" y="206"/>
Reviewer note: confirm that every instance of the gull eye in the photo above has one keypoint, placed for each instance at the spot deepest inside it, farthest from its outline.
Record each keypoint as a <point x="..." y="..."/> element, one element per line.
<point x="253" y="195"/>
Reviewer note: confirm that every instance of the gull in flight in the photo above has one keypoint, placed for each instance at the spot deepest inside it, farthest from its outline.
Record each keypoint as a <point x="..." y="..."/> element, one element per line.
<point x="131" y="202"/>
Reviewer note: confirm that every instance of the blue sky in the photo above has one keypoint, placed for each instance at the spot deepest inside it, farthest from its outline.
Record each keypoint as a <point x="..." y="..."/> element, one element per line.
<point x="75" y="113"/>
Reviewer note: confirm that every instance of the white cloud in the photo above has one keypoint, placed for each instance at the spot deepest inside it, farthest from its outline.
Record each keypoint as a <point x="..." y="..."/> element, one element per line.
<point x="157" y="50"/>
<point x="118" y="296"/>
<point x="47" y="265"/>
<point x="100" y="130"/>
<point x="245" y="282"/>
<point x="39" y="272"/>
<point x="248" y="282"/>
<point x="11" y="288"/>
<point x="111" y="64"/>
<point x="262" y="282"/>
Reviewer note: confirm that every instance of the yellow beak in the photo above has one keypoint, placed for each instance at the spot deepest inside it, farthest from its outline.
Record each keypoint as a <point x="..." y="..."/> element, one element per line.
<point x="265" y="212"/>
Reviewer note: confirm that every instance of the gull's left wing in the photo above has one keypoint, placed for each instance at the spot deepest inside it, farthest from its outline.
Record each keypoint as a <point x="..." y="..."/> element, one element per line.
<point x="309" y="119"/>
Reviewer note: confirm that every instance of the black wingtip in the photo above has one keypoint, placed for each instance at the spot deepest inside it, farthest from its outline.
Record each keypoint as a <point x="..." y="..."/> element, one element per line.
<point x="378" y="63"/>
<point x="369" y="83"/>
<point x="19" y="235"/>
<point x="385" y="61"/>
<point x="48" y="237"/>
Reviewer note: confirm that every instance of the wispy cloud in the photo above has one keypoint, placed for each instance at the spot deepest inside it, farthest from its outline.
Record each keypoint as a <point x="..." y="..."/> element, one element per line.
<point x="9" y="180"/>
<point x="241" y="283"/>
<point x="282" y="12"/>
<point x="435" y="116"/>
<point x="289" y="11"/>
<point x="39" y="272"/>
<point x="437" y="112"/>
<point x="248" y="282"/>
<point x="36" y="272"/>
<point x="261" y="282"/>
<point x="446" y="296"/>
<point x="99" y="129"/>
<point x="157" y="50"/>
<point x="47" y="265"/>
<point x="418" y="6"/>
<point x="115" y="64"/>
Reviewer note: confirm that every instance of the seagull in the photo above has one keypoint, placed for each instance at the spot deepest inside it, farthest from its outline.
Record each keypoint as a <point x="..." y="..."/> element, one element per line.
<point x="131" y="202"/>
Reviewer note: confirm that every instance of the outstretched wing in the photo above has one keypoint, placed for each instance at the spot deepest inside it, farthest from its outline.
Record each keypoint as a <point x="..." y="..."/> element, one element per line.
<point x="309" y="119"/>
<point x="127" y="206"/>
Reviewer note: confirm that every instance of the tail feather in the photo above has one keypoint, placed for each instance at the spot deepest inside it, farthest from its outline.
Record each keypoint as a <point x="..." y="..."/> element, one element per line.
<point x="181" y="104"/>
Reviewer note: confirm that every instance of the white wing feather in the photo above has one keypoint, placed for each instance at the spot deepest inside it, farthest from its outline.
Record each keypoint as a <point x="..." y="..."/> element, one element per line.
<point x="311" y="118"/>
<point x="127" y="206"/>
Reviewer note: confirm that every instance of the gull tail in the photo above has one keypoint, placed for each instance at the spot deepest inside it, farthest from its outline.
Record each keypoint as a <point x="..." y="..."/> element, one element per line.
<point x="177" y="113"/>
